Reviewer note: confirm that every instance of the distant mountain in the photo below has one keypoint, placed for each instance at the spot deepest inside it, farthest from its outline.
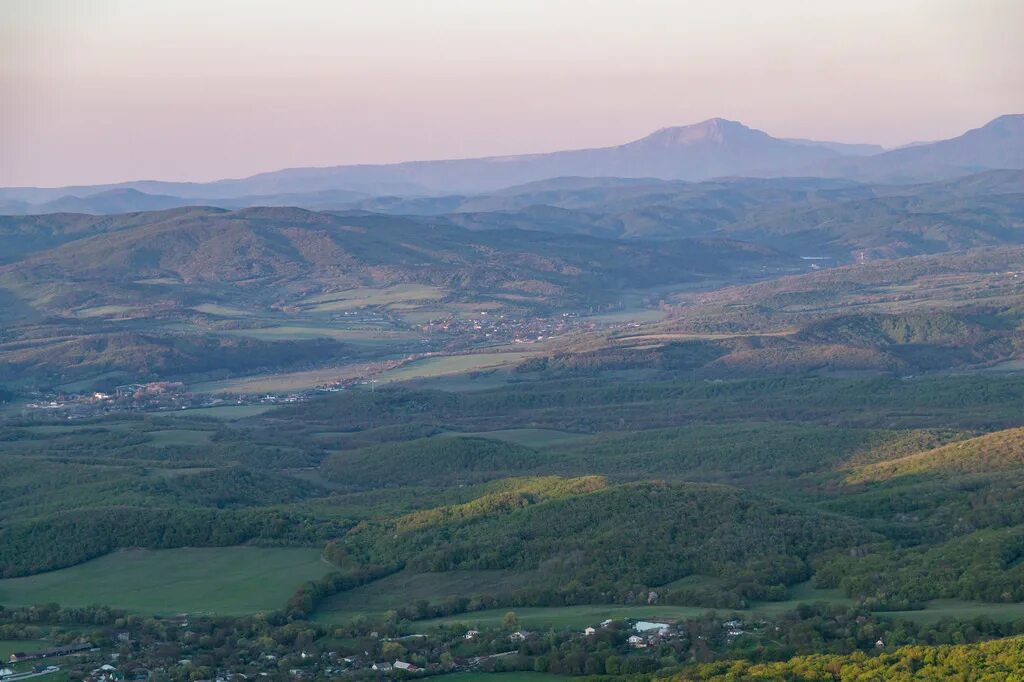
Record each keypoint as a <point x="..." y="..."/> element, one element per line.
<point x="841" y="147"/>
<point x="998" y="144"/>
<point x="112" y="201"/>
<point x="715" y="148"/>
<point x="711" y="148"/>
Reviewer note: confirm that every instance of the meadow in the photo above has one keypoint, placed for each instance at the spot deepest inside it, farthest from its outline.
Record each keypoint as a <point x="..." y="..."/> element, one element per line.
<point x="405" y="587"/>
<point x="228" y="412"/>
<point x="10" y="646"/>
<point x="281" y="382"/>
<point x="352" y="299"/>
<point x="222" y="580"/>
<point x="451" y="364"/>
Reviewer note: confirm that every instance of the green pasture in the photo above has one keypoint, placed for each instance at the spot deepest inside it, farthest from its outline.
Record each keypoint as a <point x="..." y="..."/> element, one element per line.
<point x="221" y="580"/>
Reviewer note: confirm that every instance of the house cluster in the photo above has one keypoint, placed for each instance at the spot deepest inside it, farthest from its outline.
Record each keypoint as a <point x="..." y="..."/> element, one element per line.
<point x="644" y="634"/>
<point x="402" y="666"/>
<point x="733" y="628"/>
<point x="108" y="673"/>
<point x="488" y="327"/>
<point x="648" y="633"/>
<point x="158" y="395"/>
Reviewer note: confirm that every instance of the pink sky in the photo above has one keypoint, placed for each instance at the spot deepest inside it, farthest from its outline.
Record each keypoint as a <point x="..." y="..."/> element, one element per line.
<point x="114" y="90"/>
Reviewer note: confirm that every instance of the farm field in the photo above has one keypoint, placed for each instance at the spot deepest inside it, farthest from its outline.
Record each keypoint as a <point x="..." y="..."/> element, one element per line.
<point x="10" y="646"/>
<point x="362" y="297"/>
<point x="564" y="617"/>
<point x="575" y="617"/>
<point x="228" y="412"/>
<point x="451" y="364"/>
<point x="625" y="316"/>
<point x="375" y="336"/>
<point x="105" y="310"/>
<point x="403" y="588"/>
<point x="281" y="382"/>
<point x="938" y="609"/>
<point x="221" y="310"/>
<point x="465" y="382"/>
<point x="220" y="580"/>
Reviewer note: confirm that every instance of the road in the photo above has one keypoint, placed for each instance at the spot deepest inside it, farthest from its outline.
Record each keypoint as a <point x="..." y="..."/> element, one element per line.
<point x="25" y="676"/>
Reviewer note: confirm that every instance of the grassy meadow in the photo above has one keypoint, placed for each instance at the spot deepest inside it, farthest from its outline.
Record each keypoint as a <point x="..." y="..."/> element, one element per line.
<point x="221" y="580"/>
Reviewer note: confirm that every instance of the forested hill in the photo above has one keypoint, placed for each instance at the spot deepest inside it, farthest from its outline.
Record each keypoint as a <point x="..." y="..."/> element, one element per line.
<point x="274" y="252"/>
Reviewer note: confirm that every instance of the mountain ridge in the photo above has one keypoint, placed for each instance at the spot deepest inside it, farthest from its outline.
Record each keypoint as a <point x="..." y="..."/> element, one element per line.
<point x="714" y="148"/>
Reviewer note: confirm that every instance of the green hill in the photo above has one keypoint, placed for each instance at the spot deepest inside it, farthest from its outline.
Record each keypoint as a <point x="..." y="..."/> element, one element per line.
<point x="991" y="453"/>
<point x="602" y="543"/>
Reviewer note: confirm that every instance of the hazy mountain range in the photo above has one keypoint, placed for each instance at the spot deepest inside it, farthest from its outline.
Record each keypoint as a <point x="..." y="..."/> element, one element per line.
<point x="712" y="149"/>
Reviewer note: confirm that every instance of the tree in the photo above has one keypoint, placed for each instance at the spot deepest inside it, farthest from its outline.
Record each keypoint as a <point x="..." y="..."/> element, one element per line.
<point x="510" y="621"/>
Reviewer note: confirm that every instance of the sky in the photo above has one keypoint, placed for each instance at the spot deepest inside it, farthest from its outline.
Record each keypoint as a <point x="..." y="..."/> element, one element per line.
<point x="95" y="91"/>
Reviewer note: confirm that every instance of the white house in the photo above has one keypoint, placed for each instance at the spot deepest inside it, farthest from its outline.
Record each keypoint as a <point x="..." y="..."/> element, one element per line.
<point x="645" y="626"/>
<point x="470" y="634"/>
<point x="637" y="641"/>
<point x="402" y="665"/>
<point x="589" y="631"/>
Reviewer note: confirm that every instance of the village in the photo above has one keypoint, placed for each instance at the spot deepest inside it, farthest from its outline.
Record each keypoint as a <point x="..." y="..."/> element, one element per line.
<point x="138" y="653"/>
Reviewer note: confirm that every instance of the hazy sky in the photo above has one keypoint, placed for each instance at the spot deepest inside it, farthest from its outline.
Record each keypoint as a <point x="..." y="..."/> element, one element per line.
<point x="105" y="90"/>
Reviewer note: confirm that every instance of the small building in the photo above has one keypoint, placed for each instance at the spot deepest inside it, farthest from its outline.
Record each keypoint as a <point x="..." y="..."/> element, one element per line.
<point x="589" y="631"/>
<point x="471" y="634"/>
<point x="20" y="656"/>
<point x="646" y="626"/>
<point x="381" y="667"/>
<point x="637" y="642"/>
<point x="402" y="665"/>
<point x="519" y="636"/>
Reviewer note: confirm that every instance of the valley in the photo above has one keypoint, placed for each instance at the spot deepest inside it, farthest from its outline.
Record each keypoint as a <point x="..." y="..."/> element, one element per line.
<point x="502" y="432"/>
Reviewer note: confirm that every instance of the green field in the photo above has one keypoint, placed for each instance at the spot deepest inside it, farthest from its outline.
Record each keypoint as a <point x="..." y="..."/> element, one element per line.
<point x="451" y="364"/>
<point x="305" y="332"/>
<point x="222" y="580"/>
<point x="221" y="310"/>
<point x="362" y="297"/>
<point x="228" y="412"/>
<point x="960" y="610"/>
<point x="10" y="646"/>
<point x="624" y="316"/>
<point x="531" y="438"/>
<point x="405" y="587"/>
<point x="564" y="617"/>
<point x="104" y="310"/>
<point x="577" y="617"/>
<point x="275" y="383"/>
